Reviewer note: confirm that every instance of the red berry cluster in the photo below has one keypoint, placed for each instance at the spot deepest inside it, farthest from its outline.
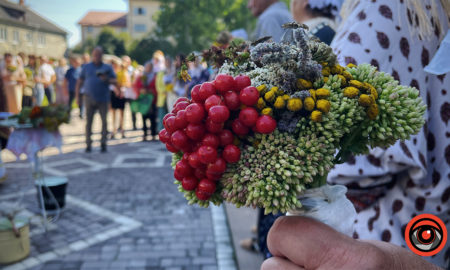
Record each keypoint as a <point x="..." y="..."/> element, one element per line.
<point x="204" y="129"/>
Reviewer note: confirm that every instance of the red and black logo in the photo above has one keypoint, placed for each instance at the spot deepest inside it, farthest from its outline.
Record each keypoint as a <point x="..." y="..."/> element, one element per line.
<point x="426" y="235"/>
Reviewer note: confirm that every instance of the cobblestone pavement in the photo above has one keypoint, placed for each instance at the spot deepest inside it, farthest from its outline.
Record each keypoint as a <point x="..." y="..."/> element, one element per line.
<point x="122" y="212"/>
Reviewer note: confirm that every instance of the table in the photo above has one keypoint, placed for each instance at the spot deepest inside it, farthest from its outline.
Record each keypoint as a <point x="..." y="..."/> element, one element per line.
<point x="30" y="141"/>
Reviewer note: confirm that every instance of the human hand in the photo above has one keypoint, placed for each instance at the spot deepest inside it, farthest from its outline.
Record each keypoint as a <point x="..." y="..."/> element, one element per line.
<point x="303" y="243"/>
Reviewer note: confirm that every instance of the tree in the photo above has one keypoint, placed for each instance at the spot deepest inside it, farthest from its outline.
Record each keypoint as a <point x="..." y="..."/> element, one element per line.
<point x="87" y="46"/>
<point x="142" y="50"/>
<point x="110" y="42"/>
<point x="194" y="24"/>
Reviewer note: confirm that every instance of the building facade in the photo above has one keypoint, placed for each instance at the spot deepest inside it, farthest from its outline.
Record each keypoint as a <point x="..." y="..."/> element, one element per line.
<point x="137" y="22"/>
<point x="140" y="18"/>
<point x="94" y="21"/>
<point x="23" y="30"/>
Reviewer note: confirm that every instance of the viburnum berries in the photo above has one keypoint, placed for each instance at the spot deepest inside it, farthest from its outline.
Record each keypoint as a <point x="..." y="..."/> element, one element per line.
<point x="231" y="153"/>
<point x="224" y="83"/>
<point x="194" y="113"/>
<point x="219" y="113"/>
<point x="232" y="100"/>
<point x="248" y="116"/>
<point x="249" y="96"/>
<point x="206" y="90"/>
<point x="212" y="101"/>
<point x="206" y="130"/>
<point x="241" y="82"/>
<point x="189" y="183"/>
<point x="266" y="124"/>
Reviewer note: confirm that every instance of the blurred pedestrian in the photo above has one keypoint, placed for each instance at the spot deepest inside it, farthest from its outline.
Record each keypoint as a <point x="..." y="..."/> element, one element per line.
<point x="178" y="83"/>
<point x="145" y="85"/>
<point x="47" y="77"/>
<point x="96" y="78"/>
<point x="272" y="14"/>
<point x="70" y="79"/>
<point x="60" y="91"/>
<point x="30" y="83"/>
<point x="129" y="93"/>
<point x="80" y="95"/>
<point x="319" y="16"/>
<point x="13" y="76"/>
<point x="199" y="74"/>
<point x="159" y="67"/>
<point x="24" y="58"/>
<point x="118" y="96"/>
<point x="169" y="77"/>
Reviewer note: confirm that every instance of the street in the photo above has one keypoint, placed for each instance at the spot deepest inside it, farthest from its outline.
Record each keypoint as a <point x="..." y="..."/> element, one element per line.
<point x="122" y="210"/>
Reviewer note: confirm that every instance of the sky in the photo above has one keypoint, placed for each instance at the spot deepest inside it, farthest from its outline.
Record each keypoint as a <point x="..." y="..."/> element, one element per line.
<point x="66" y="13"/>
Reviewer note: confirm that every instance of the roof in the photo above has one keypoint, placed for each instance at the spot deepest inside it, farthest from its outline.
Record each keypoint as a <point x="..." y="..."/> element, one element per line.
<point x="23" y="16"/>
<point x="100" y="18"/>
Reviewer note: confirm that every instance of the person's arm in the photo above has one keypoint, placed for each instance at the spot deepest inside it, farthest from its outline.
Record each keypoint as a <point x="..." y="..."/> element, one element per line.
<point x="112" y="76"/>
<point x="65" y="86"/>
<point x="53" y="78"/>
<point x="303" y="243"/>
<point x="79" y="84"/>
<point x="270" y="26"/>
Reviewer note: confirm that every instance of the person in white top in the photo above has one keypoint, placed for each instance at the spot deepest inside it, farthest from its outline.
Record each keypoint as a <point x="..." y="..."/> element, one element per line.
<point x="47" y="77"/>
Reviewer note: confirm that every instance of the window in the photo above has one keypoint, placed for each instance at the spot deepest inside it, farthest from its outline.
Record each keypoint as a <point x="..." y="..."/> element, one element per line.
<point x="90" y="29"/>
<point x="16" y="36"/>
<point x="41" y="39"/>
<point x="140" y="28"/>
<point x="140" y="11"/>
<point x="29" y="37"/>
<point x="3" y="34"/>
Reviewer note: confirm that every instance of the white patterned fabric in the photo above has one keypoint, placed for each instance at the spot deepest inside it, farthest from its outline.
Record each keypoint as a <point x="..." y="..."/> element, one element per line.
<point x="390" y="186"/>
<point x="30" y="141"/>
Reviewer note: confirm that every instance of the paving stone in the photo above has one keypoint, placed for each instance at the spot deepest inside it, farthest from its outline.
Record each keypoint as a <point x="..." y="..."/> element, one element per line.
<point x="204" y="260"/>
<point x="106" y="200"/>
<point x="137" y="263"/>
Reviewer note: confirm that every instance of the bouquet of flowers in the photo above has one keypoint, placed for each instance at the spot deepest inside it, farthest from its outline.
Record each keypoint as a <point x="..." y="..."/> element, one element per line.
<point x="277" y="118"/>
<point x="48" y="117"/>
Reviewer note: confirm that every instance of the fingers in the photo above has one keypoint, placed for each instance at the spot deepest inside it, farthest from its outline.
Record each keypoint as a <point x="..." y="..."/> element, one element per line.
<point x="276" y="263"/>
<point x="309" y="243"/>
<point x="402" y="257"/>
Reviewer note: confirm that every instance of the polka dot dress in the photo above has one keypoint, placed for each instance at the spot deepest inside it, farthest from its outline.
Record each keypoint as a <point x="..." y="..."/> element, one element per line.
<point x="390" y="186"/>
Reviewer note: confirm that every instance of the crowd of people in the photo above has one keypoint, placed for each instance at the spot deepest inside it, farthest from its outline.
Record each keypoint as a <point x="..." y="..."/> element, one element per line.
<point x="28" y="80"/>
<point x="403" y="180"/>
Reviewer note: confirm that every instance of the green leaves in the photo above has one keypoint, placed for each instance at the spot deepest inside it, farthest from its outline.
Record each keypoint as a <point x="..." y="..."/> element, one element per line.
<point x="111" y="43"/>
<point x="194" y="24"/>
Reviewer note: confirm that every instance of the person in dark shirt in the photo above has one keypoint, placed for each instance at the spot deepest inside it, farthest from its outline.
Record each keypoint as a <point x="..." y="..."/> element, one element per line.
<point x="96" y="77"/>
<point x="70" y="79"/>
